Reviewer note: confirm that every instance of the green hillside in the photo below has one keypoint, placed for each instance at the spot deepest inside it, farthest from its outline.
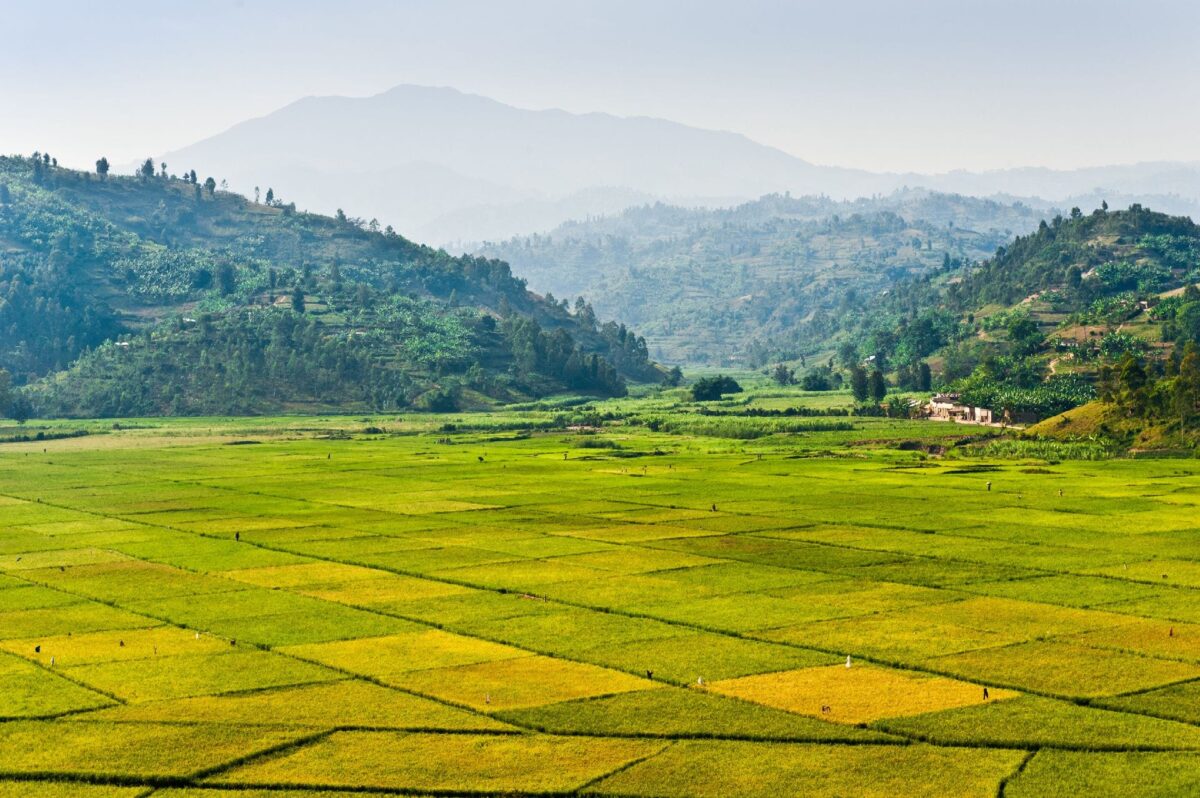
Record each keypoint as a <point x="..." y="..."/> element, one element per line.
<point x="1049" y="321"/>
<point x="156" y="294"/>
<point x="733" y="285"/>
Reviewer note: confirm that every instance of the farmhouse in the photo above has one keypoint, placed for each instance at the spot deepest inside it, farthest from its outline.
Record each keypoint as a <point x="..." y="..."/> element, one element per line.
<point x="947" y="407"/>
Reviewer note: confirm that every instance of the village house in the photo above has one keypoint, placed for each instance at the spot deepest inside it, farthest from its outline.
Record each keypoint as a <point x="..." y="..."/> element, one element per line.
<point x="947" y="407"/>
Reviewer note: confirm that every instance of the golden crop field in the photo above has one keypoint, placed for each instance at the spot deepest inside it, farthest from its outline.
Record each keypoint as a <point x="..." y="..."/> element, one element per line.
<point x="458" y="606"/>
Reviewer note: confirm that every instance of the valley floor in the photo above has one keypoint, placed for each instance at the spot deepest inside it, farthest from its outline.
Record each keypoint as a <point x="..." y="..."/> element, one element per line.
<point x="450" y="605"/>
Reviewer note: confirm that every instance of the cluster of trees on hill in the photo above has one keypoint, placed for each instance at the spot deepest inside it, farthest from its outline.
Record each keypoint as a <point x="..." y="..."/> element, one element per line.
<point x="1164" y="391"/>
<point x="155" y="293"/>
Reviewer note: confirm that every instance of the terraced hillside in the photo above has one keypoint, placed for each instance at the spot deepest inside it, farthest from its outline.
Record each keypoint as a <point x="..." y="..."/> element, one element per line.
<point x="433" y="609"/>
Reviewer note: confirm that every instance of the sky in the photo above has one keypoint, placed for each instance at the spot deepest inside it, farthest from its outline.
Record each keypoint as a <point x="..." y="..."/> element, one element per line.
<point x="887" y="85"/>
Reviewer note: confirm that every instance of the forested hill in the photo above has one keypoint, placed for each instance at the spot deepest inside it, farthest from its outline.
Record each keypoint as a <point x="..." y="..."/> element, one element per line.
<point x="736" y="284"/>
<point x="159" y="294"/>
<point x="1051" y="320"/>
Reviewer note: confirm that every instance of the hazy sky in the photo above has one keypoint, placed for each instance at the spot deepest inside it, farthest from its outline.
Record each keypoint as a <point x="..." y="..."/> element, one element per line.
<point x="926" y="85"/>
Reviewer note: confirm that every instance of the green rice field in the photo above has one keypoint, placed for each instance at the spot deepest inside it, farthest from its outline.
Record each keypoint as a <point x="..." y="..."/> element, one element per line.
<point x="486" y="604"/>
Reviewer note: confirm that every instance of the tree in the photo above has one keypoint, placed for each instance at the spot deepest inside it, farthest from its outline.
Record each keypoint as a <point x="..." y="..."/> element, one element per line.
<point x="858" y="383"/>
<point x="210" y="185"/>
<point x="674" y="377"/>
<point x="1074" y="278"/>
<point x="298" y="299"/>
<point x="147" y="170"/>
<point x="924" y="377"/>
<point x="783" y="375"/>
<point x="708" y="389"/>
<point x="102" y="167"/>
<point x="12" y="404"/>
<point x="1187" y="385"/>
<point x="270" y="196"/>
<point x="1025" y="335"/>
<point x="5" y="392"/>
<point x="878" y="385"/>
<point x="226" y="279"/>
<point x="19" y="409"/>
<point x="847" y="354"/>
<point x="1187" y="321"/>
<point x="817" y="379"/>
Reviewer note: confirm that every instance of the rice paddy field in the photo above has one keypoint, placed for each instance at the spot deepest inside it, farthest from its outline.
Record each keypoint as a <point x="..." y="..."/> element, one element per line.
<point x="480" y="605"/>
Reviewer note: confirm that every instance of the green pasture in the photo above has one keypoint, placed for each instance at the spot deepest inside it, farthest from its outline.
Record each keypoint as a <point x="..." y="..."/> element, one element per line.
<point x="513" y="603"/>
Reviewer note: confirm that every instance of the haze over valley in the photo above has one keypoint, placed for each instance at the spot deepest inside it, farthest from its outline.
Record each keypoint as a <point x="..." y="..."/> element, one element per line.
<point x="450" y="168"/>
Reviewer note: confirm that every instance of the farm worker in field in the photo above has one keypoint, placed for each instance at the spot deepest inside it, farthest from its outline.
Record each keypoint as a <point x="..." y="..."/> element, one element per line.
<point x="985" y="694"/>
<point x="989" y="487"/>
<point x="237" y="535"/>
<point x="714" y="509"/>
<point x="847" y="660"/>
<point x="699" y="681"/>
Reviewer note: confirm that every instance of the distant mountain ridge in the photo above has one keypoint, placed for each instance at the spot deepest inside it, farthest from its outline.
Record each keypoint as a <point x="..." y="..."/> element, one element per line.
<point x="449" y="167"/>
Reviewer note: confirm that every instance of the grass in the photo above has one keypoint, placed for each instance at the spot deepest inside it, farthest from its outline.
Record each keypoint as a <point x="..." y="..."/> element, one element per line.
<point x="158" y="678"/>
<point x="478" y="763"/>
<point x="757" y="770"/>
<point x="857" y="694"/>
<point x="1057" y="774"/>
<point x="349" y="703"/>
<point x="522" y="682"/>
<point x="33" y="692"/>
<point x="128" y="751"/>
<point x="324" y="612"/>
<point x="683" y="713"/>
<point x="1030" y="721"/>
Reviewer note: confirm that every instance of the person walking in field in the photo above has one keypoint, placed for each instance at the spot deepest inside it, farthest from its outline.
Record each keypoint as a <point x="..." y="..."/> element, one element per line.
<point x="985" y="694"/>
